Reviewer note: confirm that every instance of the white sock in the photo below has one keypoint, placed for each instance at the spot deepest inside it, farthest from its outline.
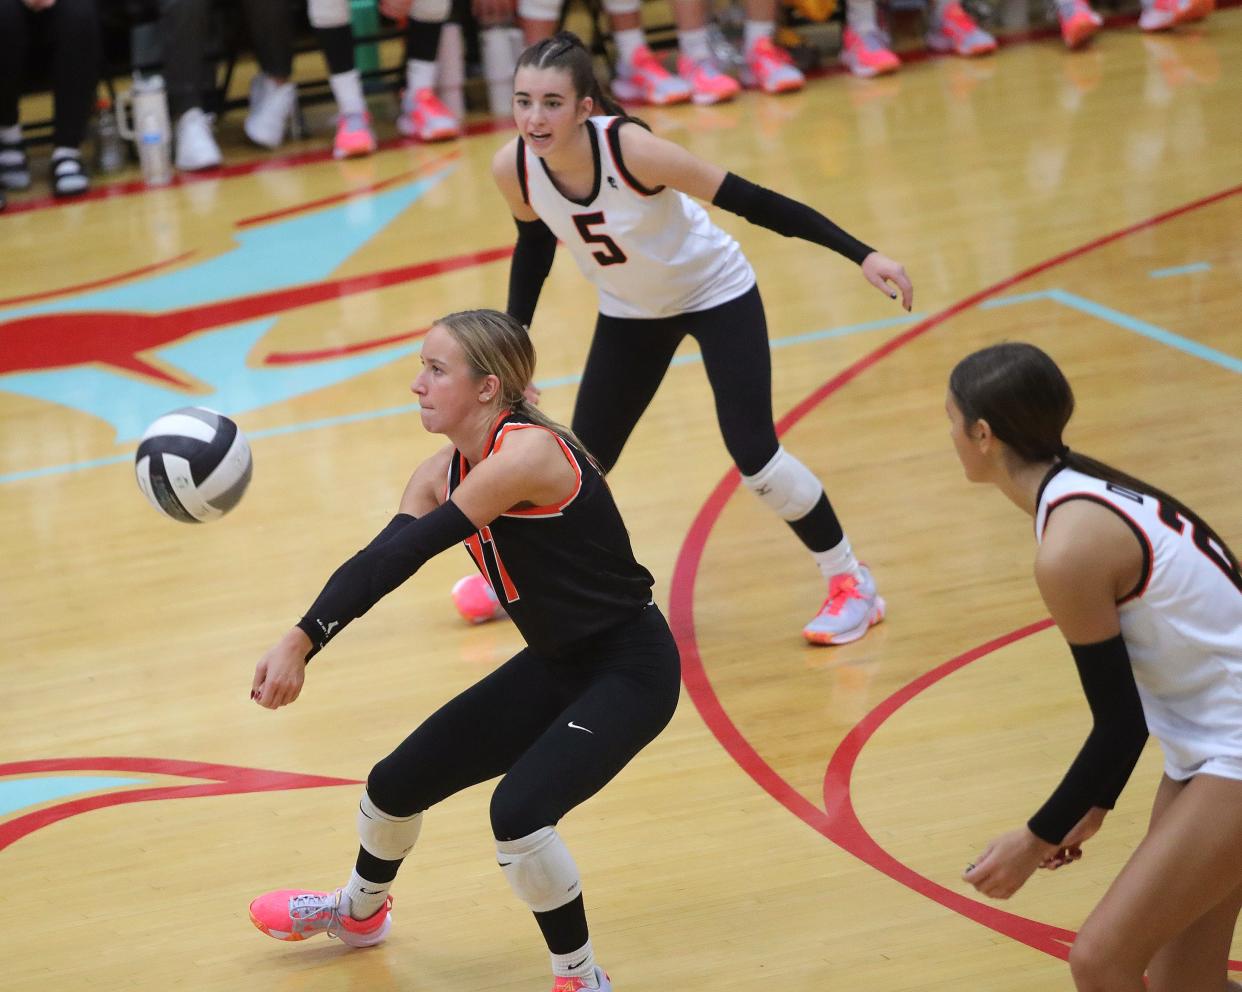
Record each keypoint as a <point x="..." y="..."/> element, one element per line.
<point x="419" y="75"/>
<point x="347" y="89"/>
<point x="11" y="135"/>
<point x="860" y="16"/>
<point x="365" y="898"/>
<point x="576" y="964"/>
<point x="837" y="561"/>
<point x="62" y="152"/>
<point x="753" y="31"/>
<point x="693" y="44"/>
<point x="628" y="42"/>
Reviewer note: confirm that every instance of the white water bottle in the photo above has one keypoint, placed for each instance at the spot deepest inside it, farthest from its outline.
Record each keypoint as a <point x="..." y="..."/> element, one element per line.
<point x="142" y="117"/>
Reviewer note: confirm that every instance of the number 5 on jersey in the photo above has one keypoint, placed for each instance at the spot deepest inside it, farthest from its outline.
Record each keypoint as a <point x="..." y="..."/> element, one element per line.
<point x="478" y="551"/>
<point x="612" y="254"/>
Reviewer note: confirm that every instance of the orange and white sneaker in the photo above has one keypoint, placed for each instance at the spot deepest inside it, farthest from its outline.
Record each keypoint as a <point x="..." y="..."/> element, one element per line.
<point x="354" y="136"/>
<point x="296" y="914"/>
<point x="424" y="117"/>
<point x="852" y="608"/>
<point x="956" y="31"/>
<point x="1160" y="15"/>
<point x="645" y="79"/>
<point x="708" y="83"/>
<point x="867" y="54"/>
<point x="771" y="69"/>
<point x="1078" y="22"/>
<point x="577" y="984"/>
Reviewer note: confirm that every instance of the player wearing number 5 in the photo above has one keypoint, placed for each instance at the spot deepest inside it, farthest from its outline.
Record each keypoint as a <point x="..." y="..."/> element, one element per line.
<point x="597" y="682"/>
<point x="1150" y="599"/>
<point x="619" y="198"/>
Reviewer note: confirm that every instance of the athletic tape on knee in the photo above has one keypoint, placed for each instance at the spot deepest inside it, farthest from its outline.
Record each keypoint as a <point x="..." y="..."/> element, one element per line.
<point x="540" y="870"/>
<point x="786" y="485"/>
<point x="388" y="838"/>
<point x="615" y="7"/>
<point x="539" y="10"/>
<point x="328" y="13"/>
<point x="430" y="11"/>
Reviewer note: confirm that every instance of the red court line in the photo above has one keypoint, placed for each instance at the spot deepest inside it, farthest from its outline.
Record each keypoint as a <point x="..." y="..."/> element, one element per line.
<point x="298" y="357"/>
<point x="228" y="780"/>
<point x="98" y="283"/>
<point x="130" y="187"/>
<point x="351" y="194"/>
<point x="838" y="821"/>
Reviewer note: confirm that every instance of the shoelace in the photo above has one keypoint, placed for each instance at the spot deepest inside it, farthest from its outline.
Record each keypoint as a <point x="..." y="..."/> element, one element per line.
<point x="311" y="904"/>
<point x="841" y="589"/>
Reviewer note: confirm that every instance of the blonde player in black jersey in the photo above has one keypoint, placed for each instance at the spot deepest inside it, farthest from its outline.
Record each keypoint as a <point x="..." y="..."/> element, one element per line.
<point x="597" y="682"/>
<point x="619" y="199"/>
<point x="1150" y="599"/>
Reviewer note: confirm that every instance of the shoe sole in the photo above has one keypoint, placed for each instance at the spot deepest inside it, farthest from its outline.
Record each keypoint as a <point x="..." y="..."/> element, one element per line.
<point x="628" y="94"/>
<point x="345" y="937"/>
<point x="877" y="615"/>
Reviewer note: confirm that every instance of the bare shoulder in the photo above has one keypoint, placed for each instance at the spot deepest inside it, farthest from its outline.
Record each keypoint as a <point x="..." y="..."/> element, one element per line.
<point x="1088" y="559"/>
<point x="504" y="162"/>
<point x="428" y="484"/>
<point x="656" y="161"/>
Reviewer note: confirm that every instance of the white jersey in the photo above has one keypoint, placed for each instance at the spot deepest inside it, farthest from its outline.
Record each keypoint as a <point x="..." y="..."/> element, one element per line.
<point x="649" y="252"/>
<point x="1182" y="625"/>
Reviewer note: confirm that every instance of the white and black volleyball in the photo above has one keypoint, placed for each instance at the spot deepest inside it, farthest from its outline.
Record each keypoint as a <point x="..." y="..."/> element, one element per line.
<point x="193" y="464"/>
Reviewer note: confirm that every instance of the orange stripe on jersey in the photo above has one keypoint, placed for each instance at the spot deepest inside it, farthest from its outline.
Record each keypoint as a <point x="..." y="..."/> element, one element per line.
<point x="1149" y="554"/>
<point x="552" y="509"/>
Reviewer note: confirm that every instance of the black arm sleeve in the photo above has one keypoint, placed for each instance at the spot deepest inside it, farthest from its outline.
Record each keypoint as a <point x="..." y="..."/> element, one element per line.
<point x="1112" y="749"/>
<point x="785" y="216"/>
<point x="396" y="553"/>
<point x="532" y="260"/>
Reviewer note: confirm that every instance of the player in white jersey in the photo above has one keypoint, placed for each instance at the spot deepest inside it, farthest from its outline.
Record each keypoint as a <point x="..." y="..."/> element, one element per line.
<point x="620" y="199"/>
<point x="1149" y="598"/>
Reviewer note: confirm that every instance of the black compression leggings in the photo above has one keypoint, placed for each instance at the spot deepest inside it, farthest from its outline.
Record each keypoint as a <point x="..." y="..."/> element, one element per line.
<point x="557" y="730"/>
<point x="628" y="359"/>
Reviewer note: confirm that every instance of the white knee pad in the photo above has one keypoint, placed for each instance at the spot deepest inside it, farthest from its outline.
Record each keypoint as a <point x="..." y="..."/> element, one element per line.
<point x="328" y="13"/>
<point x="388" y="838"/>
<point x="540" y="870"/>
<point x="430" y="11"/>
<point x="786" y="485"/>
<point x="539" y="10"/>
<point x="615" y="7"/>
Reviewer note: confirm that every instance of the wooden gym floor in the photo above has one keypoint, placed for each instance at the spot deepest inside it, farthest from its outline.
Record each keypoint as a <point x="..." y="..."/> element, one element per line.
<point x="803" y="821"/>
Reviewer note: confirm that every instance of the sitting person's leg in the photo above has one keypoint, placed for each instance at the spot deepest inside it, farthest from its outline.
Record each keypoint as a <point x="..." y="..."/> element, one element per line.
<point x="273" y="95"/>
<point x="183" y="33"/>
<point x="14" y="39"/>
<point x="75" y="76"/>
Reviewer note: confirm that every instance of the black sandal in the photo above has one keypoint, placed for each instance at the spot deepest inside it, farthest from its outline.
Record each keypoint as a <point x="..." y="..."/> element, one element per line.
<point x="68" y="176"/>
<point x="14" y="166"/>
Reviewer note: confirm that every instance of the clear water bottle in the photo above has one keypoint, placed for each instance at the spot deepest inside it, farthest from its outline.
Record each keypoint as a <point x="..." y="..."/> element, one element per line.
<point x="142" y="117"/>
<point x="109" y="148"/>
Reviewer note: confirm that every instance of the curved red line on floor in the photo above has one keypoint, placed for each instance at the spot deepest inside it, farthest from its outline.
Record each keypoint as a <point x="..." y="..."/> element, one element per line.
<point x="298" y="357"/>
<point x="228" y="780"/>
<point x="841" y="825"/>
<point x="99" y="283"/>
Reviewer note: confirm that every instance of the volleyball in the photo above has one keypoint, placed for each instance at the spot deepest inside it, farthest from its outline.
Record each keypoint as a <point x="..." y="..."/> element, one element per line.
<point x="193" y="464"/>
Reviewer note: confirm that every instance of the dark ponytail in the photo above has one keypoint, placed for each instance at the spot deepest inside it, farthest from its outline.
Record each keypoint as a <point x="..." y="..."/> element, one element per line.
<point x="1027" y="401"/>
<point x="565" y="51"/>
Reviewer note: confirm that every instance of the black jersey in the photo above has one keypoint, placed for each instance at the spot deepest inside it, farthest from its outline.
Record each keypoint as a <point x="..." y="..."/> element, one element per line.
<point x="563" y="572"/>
